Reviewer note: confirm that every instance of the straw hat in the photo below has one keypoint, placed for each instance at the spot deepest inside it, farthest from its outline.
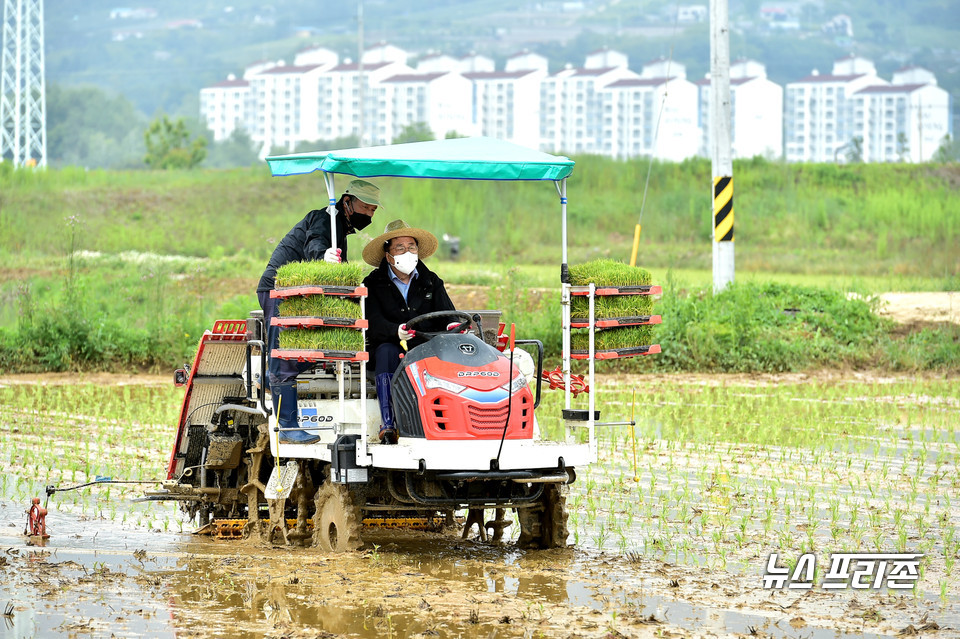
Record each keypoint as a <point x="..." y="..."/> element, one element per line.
<point x="426" y="242"/>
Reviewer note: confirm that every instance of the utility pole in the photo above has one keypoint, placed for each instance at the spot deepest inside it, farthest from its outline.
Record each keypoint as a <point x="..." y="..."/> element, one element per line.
<point x="23" y="104"/>
<point x="722" y="159"/>
<point x="361" y="95"/>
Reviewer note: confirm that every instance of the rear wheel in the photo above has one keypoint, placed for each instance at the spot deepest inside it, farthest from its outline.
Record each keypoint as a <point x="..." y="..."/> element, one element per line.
<point x="544" y="525"/>
<point x="336" y="521"/>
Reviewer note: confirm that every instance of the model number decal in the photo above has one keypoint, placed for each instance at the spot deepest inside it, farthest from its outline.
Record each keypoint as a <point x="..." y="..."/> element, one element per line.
<point x="315" y="419"/>
<point x="478" y="374"/>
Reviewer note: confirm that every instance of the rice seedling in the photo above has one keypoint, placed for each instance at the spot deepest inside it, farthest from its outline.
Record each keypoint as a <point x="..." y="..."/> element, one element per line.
<point x="319" y="306"/>
<point x="319" y="273"/>
<point x="608" y="272"/>
<point x="821" y="461"/>
<point x="322" y="339"/>
<point x="613" y="338"/>
<point x="606" y="306"/>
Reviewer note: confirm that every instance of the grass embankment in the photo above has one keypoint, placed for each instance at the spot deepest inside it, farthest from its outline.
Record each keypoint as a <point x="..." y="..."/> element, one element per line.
<point x="125" y="269"/>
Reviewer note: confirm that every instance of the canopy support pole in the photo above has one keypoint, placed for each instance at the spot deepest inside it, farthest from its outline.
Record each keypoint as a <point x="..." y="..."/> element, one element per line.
<point x="564" y="291"/>
<point x="564" y="268"/>
<point x="331" y="208"/>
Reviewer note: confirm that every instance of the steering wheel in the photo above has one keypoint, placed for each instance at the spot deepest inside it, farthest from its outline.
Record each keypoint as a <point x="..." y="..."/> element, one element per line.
<point x="459" y="316"/>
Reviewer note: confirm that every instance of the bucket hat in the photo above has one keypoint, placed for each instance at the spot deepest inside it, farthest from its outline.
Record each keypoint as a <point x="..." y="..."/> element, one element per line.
<point x="364" y="191"/>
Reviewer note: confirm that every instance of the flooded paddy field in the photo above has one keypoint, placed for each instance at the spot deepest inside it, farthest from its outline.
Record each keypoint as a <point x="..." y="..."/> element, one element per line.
<point x="670" y="532"/>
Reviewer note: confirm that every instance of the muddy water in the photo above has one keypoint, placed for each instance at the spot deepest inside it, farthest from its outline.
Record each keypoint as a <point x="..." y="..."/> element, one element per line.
<point x="96" y="579"/>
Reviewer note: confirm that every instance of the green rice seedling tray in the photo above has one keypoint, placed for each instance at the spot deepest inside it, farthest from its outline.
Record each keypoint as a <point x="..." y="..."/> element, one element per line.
<point x="318" y="322"/>
<point x="292" y="291"/>
<point x="618" y="290"/>
<point x="606" y="272"/>
<point x="616" y="322"/>
<point x="304" y="355"/>
<point x="337" y="306"/>
<point x="607" y="307"/>
<point x="613" y="338"/>
<point x="618" y="353"/>
<point x="320" y="273"/>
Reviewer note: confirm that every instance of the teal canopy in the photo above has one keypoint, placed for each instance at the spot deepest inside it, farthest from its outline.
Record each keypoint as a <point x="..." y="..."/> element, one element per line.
<point x="457" y="158"/>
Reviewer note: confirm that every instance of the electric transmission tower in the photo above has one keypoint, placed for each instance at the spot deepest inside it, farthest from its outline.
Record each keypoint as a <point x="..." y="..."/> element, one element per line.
<point x="23" y="102"/>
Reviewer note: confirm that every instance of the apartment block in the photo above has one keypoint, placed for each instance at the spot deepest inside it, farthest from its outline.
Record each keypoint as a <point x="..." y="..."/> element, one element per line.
<point x="654" y="114"/>
<point x="441" y="100"/>
<point x="223" y="106"/>
<point x="904" y="121"/>
<point x="602" y="107"/>
<point x="818" y="111"/>
<point x="756" y="112"/>
<point x="572" y="107"/>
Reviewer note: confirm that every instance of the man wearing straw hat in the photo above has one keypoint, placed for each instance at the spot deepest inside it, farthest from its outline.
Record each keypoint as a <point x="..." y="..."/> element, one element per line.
<point x="309" y="240"/>
<point x="401" y="288"/>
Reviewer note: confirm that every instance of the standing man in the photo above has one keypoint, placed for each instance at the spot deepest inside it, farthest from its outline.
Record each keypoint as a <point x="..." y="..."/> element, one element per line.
<point x="401" y="288"/>
<point x="309" y="240"/>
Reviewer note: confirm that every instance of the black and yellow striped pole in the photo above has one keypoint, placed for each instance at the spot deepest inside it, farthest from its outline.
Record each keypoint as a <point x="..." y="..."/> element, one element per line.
<point x="723" y="209"/>
<point x="720" y="124"/>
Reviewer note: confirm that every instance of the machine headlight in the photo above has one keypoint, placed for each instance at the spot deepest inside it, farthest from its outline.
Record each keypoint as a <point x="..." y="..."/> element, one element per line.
<point x="436" y="382"/>
<point x="518" y="383"/>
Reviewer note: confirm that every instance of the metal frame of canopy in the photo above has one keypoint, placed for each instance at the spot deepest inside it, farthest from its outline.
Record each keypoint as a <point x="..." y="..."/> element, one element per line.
<point x="477" y="158"/>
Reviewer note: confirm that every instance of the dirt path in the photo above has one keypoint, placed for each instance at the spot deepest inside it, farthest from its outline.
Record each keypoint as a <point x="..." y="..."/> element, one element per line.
<point x="921" y="307"/>
<point x="900" y="307"/>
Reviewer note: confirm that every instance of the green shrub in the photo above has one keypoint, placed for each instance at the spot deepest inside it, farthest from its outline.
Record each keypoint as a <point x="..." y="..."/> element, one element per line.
<point x="766" y="328"/>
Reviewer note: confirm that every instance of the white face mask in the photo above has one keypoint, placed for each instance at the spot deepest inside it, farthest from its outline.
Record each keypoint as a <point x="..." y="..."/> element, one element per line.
<point x="405" y="263"/>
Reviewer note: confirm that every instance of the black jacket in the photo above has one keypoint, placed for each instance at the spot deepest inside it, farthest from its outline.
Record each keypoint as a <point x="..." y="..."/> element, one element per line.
<point x="386" y="309"/>
<point x="306" y="242"/>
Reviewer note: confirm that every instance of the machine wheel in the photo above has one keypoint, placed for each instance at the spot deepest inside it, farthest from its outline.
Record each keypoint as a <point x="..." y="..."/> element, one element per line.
<point x="336" y="521"/>
<point x="544" y="525"/>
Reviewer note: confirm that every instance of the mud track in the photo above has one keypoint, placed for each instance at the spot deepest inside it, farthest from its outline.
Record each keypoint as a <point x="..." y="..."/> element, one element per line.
<point x="96" y="580"/>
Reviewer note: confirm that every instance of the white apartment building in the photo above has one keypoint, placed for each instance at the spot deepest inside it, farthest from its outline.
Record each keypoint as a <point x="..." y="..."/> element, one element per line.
<point x="441" y="100"/>
<point x="475" y="63"/>
<point x="756" y="112"/>
<point x="506" y="105"/>
<point x="652" y="115"/>
<point x="223" y="107"/>
<point x="571" y="106"/>
<point x="339" y="109"/>
<point x="526" y="60"/>
<point x="603" y="107"/>
<point x="437" y="62"/>
<point x="818" y="113"/>
<point x="904" y="121"/>
<point x="285" y="102"/>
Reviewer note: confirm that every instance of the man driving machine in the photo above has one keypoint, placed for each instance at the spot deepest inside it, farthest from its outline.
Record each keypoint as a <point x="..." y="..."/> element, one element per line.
<point x="401" y="288"/>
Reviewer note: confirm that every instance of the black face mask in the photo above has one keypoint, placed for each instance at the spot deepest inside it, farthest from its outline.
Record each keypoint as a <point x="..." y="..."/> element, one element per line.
<point x="360" y="221"/>
<point x="356" y="221"/>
